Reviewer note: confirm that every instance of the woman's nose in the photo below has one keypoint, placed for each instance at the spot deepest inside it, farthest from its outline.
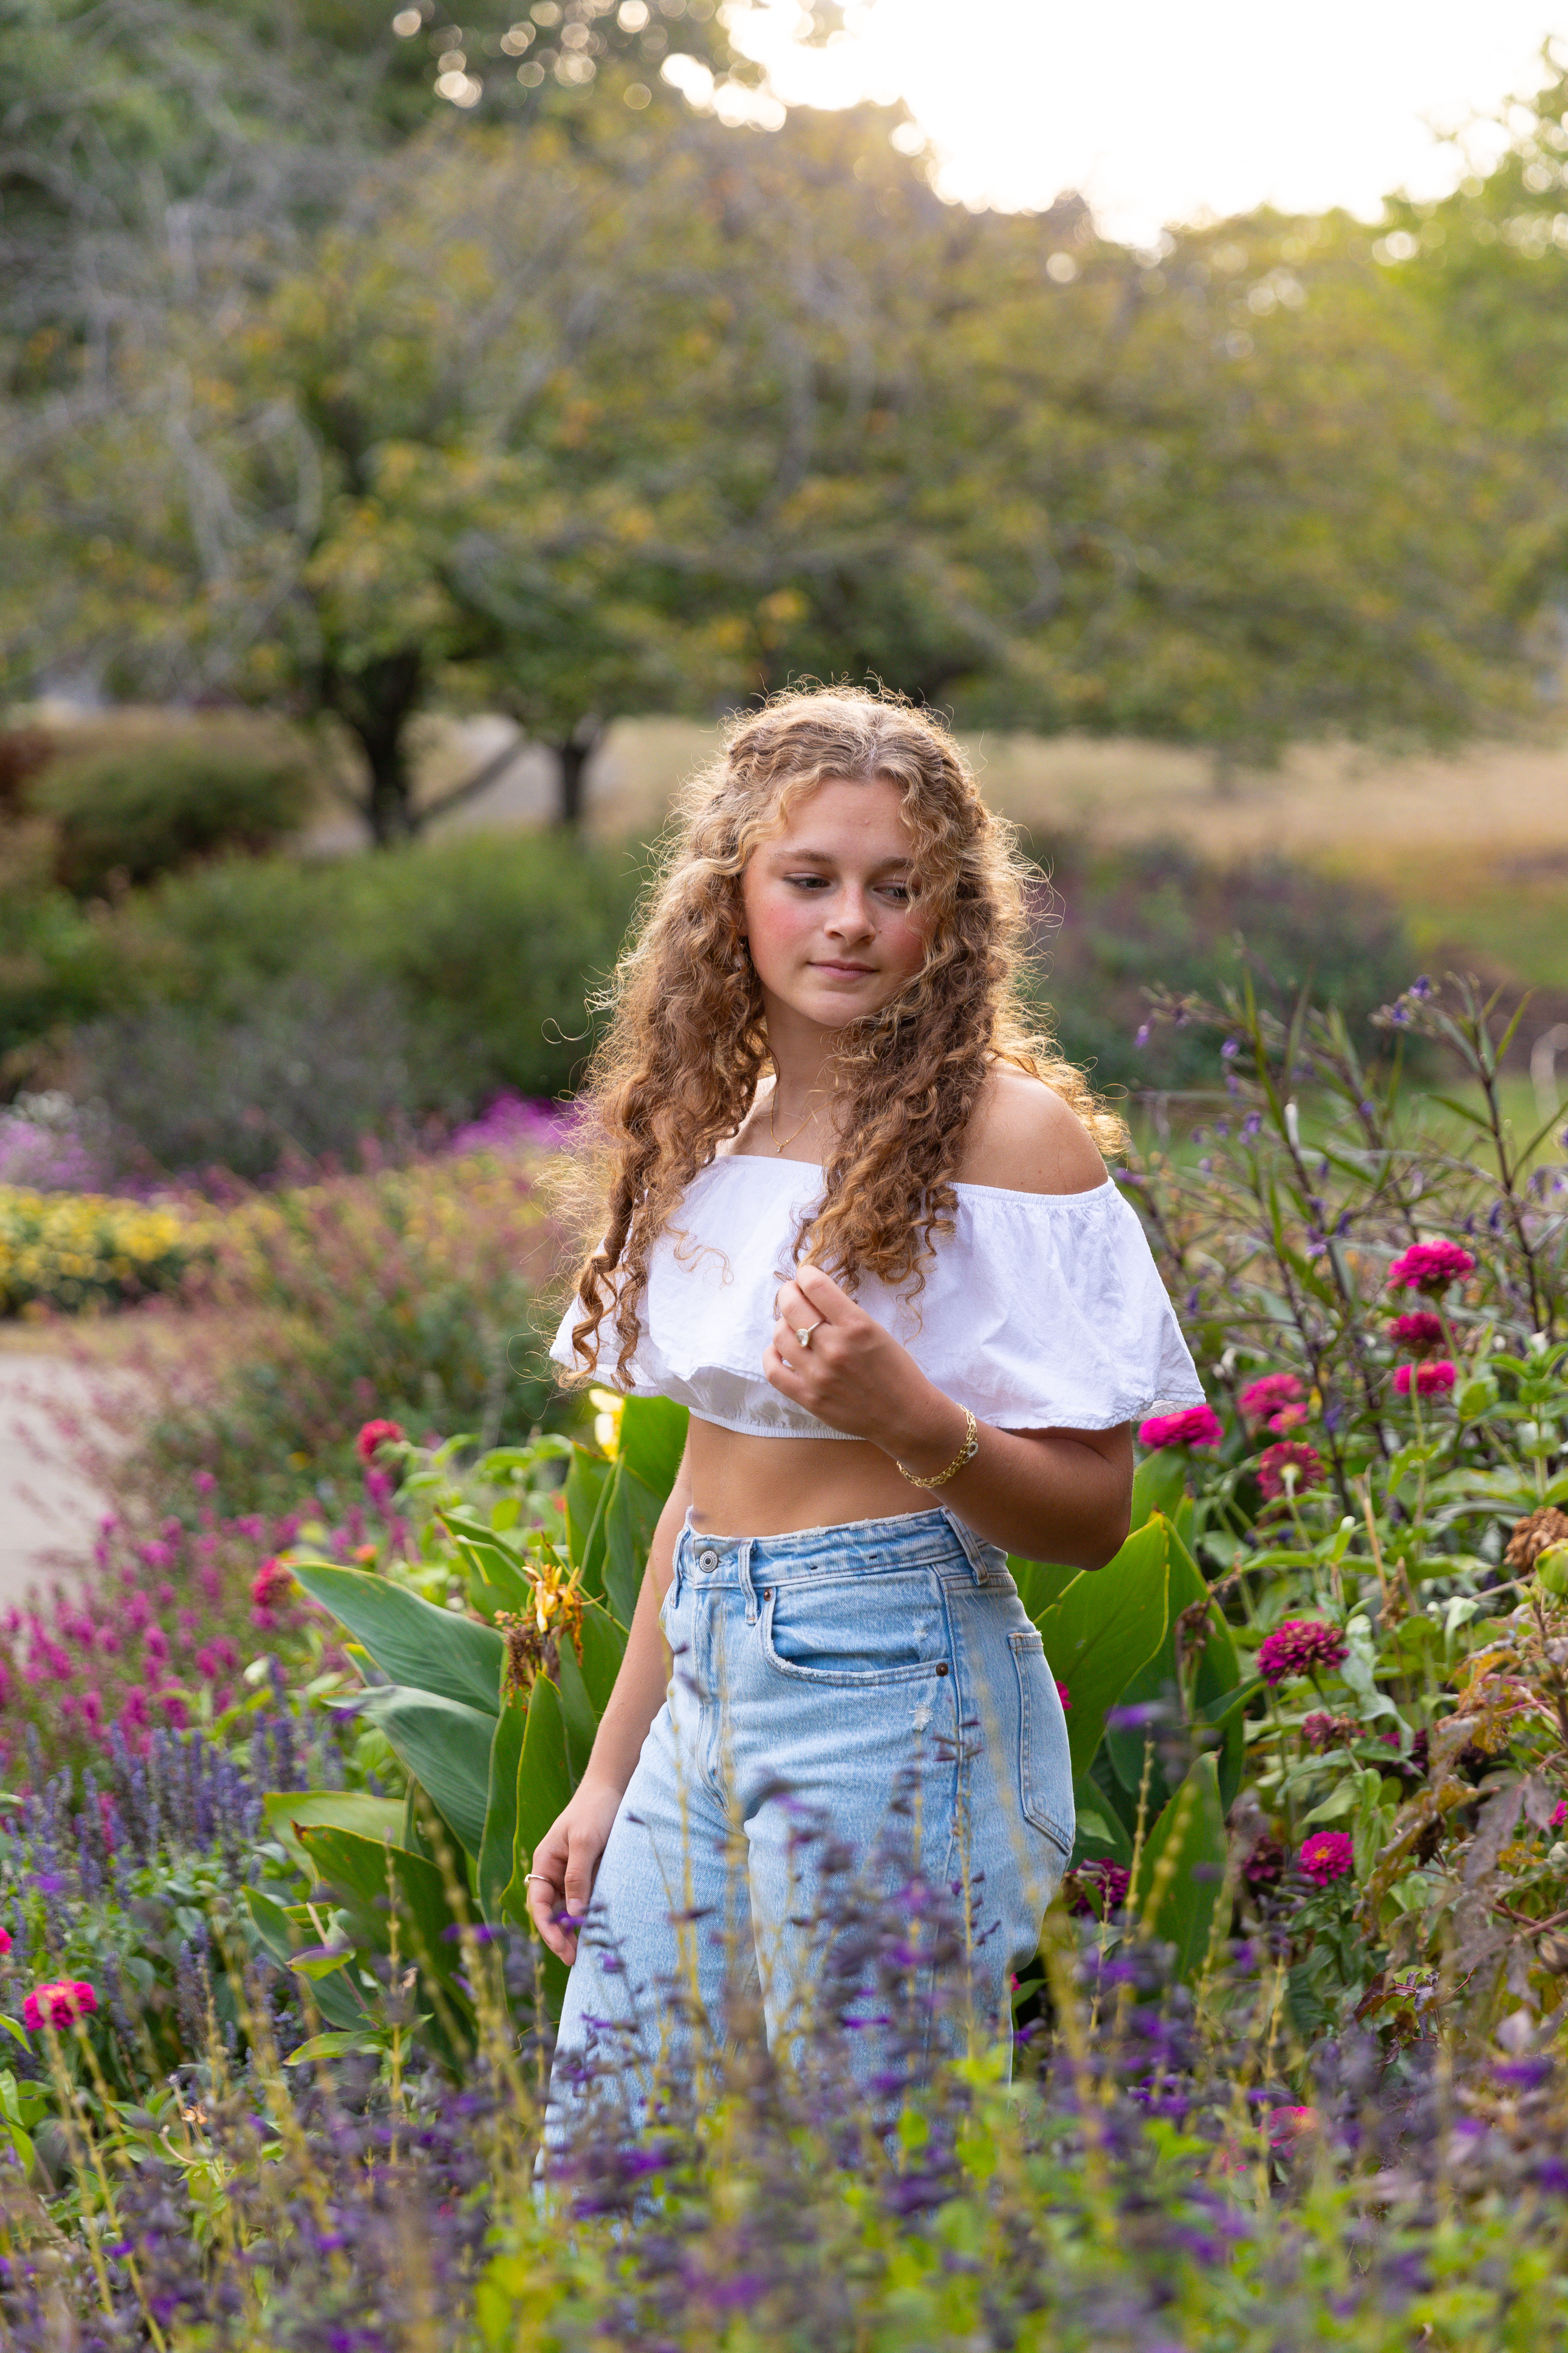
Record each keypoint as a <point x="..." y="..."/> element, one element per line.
<point x="851" y="912"/>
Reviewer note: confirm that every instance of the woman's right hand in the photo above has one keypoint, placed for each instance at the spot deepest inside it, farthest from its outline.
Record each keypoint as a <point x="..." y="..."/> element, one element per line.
<point x="566" y="1862"/>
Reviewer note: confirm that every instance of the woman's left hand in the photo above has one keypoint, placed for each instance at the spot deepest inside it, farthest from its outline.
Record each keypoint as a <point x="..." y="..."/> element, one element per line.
<point x="852" y="1373"/>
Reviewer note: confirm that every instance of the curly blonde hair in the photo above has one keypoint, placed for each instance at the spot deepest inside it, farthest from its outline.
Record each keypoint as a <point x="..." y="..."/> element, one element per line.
<point x="687" y="1044"/>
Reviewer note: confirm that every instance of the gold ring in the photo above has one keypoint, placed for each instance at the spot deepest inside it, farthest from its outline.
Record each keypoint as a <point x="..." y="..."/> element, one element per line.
<point x="803" y="1332"/>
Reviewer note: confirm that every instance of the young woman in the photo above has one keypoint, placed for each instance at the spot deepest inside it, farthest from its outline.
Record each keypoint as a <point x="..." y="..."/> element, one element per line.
<point x="855" y="1218"/>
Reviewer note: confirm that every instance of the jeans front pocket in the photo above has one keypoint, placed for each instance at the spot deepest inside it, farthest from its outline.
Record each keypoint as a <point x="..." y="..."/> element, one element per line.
<point x="1045" y="1764"/>
<point x="856" y="1630"/>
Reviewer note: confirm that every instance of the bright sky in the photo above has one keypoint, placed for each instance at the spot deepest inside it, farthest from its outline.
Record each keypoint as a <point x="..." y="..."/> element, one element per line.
<point x="1158" y="112"/>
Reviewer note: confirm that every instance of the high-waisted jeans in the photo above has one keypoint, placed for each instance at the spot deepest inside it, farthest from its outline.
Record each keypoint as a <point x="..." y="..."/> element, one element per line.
<point x="862" y="1731"/>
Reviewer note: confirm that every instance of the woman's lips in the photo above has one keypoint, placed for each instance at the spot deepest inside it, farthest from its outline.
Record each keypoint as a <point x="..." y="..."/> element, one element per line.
<point x="846" y="971"/>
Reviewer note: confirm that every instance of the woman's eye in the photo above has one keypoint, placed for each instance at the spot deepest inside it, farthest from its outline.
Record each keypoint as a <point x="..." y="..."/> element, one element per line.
<point x="809" y="881"/>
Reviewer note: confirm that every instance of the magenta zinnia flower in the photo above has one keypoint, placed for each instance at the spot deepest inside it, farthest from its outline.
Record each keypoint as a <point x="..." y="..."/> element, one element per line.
<point x="1300" y="1646"/>
<point x="1098" y="1887"/>
<point x="271" y="1584"/>
<point x="1199" y="1425"/>
<point x="1421" y="1332"/>
<point x="1327" y="1855"/>
<point x="1289" y="1455"/>
<point x="1429" y="1380"/>
<point x="1320" y="1730"/>
<point x="58" y="2004"/>
<point x="1430" y="1267"/>
<point x="1063" y="1695"/>
<point x="374" y="1434"/>
<point x="1261" y="1400"/>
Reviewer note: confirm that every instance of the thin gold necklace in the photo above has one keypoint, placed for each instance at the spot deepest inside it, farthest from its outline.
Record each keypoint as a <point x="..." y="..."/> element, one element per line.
<point x="773" y="1106"/>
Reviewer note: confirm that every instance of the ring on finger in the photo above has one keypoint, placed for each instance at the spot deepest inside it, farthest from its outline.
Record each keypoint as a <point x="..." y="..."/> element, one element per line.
<point x="803" y="1332"/>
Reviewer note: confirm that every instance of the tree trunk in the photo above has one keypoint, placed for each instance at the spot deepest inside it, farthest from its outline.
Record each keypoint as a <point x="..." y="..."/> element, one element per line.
<point x="574" y="754"/>
<point x="375" y="704"/>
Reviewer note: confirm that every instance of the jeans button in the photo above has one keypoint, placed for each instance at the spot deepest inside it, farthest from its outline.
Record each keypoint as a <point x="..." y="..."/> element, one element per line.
<point x="709" y="1560"/>
<point x="942" y="1667"/>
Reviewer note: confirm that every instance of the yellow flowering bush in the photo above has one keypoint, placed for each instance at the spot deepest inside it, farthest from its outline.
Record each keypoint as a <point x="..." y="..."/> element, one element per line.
<point x="76" y="1250"/>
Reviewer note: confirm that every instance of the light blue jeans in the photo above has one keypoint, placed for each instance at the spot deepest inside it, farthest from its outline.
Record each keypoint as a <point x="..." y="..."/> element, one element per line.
<point x="862" y="1742"/>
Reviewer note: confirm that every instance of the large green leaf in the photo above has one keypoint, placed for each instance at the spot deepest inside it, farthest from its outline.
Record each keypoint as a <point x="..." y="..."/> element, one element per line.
<point x="343" y="1810"/>
<point x="446" y="1747"/>
<point x="652" y="1441"/>
<point x="1182" y="1869"/>
<point x="1159" y="1484"/>
<point x="1217" y="1675"/>
<point x="544" y="1782"/>
<point x="1101" y="1834"/>
<point x="496" y="1849"/>
<point x="1040" y="1583"/>
<point x="631" y="1515"/>
<point x="1104" y="1627"/>
<point x="603" y="1648"/>
<point x="579" y="1717"/>
<point x="496" y="1577"/>
<point x="409" y="1639"/>
<point x="588" y="1479"/>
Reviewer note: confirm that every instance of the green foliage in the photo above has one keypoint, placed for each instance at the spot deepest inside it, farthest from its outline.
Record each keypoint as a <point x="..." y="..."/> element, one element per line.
<point x="148" y="805"/>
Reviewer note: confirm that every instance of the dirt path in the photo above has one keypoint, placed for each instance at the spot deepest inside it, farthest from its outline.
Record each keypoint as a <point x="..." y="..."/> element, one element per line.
<point x="46" y="1508"/>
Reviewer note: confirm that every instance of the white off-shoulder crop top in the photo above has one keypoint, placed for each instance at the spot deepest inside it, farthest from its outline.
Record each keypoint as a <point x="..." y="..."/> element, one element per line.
<point x="1041" y="1311"/>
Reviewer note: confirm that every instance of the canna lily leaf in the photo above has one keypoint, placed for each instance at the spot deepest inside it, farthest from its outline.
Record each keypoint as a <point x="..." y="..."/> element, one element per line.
<point x="446" y="1747"/>
<point x="1104" y="1627"/>
<point x="416" y="1644"/>
<point x="1182" y="1869"/>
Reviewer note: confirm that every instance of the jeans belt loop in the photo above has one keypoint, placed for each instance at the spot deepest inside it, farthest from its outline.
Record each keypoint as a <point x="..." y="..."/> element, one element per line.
<point x="743" y="1562"/>
<point x="972" y="1551"/>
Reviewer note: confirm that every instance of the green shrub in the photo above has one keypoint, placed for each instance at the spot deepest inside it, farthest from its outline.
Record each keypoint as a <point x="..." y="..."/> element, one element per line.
<point x="1157" y="916"/>
<point x="147" y="807"/>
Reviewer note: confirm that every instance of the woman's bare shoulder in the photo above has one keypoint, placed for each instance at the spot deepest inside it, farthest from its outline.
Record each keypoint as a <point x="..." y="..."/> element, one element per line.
<point x="1025" y="1139"/>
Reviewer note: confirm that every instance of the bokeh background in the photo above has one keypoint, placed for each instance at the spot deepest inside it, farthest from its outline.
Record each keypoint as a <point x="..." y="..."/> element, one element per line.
<point x="418" y="436"/>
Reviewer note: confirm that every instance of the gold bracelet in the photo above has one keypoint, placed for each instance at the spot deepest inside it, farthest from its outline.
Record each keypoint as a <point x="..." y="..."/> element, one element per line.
<point x="966" y="1453"/>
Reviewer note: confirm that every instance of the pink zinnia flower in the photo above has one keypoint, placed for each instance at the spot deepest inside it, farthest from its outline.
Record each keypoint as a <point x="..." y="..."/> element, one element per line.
<point x="1560" y="1814"/>
<point x="375" y="1434"/>
<point x="1097" y="1888"/>
<point x="1299" y="1646"/>
<point x="1430" y="1267"/>
<point x="1263" y="1400"/>
<point x="1063" y="1695"/>
<point x="5" y="1942"/>
<point x="1327" y="1855"/>
<point x="1428" y="1380"/>
<point x="58" y="2004"/>
<point x="1420" y="1331"/>
<point x="1289" y="1455"/>
<point x="1198" y="1425"/>
<point x="271" y="1584"/>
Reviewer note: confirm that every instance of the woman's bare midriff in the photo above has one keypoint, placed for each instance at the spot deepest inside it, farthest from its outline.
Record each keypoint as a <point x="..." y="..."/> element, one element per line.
<point x="743" y="1486"/>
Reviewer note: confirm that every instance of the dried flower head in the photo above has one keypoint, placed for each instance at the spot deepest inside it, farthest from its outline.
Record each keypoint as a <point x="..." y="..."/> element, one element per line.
<point x="1198" y="1425"/>
<point x="1427" y="1380"/>
<point x="1300" y="1646"/>
<point x="1327" y="1855"/>
<point x="532" y="1636"/>
<point x="1291" y="1466"/>
<point x="1320" y="1730"/>
<point x="1430" y="1267"/>
<point x="1419" y="1331"/>
<point x="1533" y="1535"/>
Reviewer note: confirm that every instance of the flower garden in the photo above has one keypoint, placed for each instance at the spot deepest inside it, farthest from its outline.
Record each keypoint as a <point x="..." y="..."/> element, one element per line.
<point x="1286" y="2068"/>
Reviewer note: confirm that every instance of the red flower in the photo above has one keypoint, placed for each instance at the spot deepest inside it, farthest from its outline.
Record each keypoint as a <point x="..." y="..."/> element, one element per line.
<point x="1327" y="1855"/>
<point x="1263" y="1400"/>
<point x="1430" y="1267"/>
<point x="1297" y="1647"/>
<point x="271" y="1584"/>
<point x="1429" y="1380"/>
<point x="1421" y="1332"/>
<point x="58" y="2004"/>
<point x="376" y="1434"/>
<point x="1290" y="1456"/>
<point x="1198" y="1425"/>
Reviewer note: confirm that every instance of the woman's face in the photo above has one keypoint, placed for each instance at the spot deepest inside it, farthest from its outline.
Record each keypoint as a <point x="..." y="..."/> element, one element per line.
<point x="832" y="905"/>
